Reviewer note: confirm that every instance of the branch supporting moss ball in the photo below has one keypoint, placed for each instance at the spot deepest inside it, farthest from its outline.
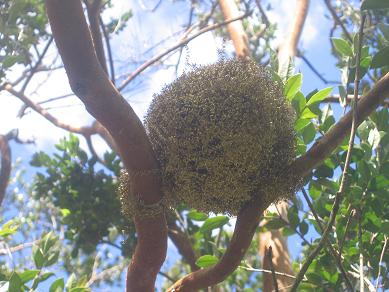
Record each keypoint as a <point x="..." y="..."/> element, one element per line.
<point x="223" y="133"/>
<point x="131" y="203"/>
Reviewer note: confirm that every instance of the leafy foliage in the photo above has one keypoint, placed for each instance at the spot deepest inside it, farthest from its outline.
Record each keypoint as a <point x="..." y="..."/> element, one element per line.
<point x="86" y="197"/>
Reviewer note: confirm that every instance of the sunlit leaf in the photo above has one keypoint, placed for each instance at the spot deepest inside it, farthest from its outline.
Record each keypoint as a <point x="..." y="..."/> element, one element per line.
<point x="206" y="261"/>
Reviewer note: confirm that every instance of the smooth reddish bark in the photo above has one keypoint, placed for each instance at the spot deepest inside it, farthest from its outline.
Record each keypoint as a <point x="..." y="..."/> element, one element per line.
<point x="91" y="84"/>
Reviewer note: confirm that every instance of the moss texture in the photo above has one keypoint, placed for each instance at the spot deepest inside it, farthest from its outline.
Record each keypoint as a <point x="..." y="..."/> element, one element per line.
<point x="223" y="135"/>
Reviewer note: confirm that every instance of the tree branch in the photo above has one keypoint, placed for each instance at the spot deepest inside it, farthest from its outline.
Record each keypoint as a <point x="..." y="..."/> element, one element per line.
<point x="93" y="8"/>
<point x="303" y="165"/>
<point x="245" y="227"/>
<point x="91" y="84"/>
<point x="5" y="170"/>
<point x="235" y="29"/>
<point x="289" y="47"/>
<point x="184" y="41"/>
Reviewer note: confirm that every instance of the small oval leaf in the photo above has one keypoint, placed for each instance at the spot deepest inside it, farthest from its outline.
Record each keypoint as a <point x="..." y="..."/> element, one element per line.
<point x="206" y="261"/>
<point x="213" y="223"/>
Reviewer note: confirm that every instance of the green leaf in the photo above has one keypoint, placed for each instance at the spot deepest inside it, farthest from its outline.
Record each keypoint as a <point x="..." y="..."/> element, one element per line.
<point x="374" y="4"/>
<point x="342" y="47"/>
<point x="79" y="289"/>
<point x="71" y="282"/>
<point x="37" y="256"/>
<point x="57" y="286"/>
<point x="293" y="85"/>
<point x="9" y="228"/>
<point x="197" y="216"/>
<point x="309" y="133"/>
<point x="206" y="261"/>
<point x="28" y="275"/>
<point x="15" y="283"/>
<point x="213" y="223"/>
<point x="12" y="60"/>
<point x="299" y="102"/>
<point x="307" y="114"/>
<point x="275" y="223"/>
<point x="303" y="227"/>
<point x="319" y="96"/>
<point x="301" y="124"/>
<point x="385" y="227"/>
<point x="381" y="59"/>
<point x="384" y="28"/>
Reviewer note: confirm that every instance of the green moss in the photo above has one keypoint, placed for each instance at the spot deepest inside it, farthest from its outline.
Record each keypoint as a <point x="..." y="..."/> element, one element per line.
<point x="223" y="135"/>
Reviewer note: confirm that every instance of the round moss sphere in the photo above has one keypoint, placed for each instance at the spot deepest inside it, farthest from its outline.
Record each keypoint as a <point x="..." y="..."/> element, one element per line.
<point x="223" y="135"/>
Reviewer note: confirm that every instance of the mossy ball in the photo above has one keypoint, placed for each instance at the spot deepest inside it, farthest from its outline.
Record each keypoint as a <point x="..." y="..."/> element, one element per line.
<point x="223" y="135"/>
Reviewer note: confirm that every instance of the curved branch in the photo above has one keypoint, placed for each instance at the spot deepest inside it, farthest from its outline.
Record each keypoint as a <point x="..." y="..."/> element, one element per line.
<point x="91" y="84"/>
<point x="235" y="29"/>
<point x="303" y="165"/>
<point x="5" y="170"/>
<point x="245" y="227"/>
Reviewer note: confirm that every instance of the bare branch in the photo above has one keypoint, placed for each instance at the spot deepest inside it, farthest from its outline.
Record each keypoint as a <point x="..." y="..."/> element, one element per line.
<point x="5" y="170"/>
<point x="181" y="43"/>
<point x="337" y="20"/>
<point x="235" y="29"/>
<point x="289" y="48"/>
<point x="47" y="115"/>
<point x="380" y="262"/>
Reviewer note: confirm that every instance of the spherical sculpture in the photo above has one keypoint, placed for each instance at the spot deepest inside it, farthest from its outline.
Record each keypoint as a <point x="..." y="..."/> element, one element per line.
<point x="223" y="135"/>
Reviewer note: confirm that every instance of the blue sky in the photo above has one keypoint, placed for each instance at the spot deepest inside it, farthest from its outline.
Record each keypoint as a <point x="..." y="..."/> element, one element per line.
<point x="144" y="30"/>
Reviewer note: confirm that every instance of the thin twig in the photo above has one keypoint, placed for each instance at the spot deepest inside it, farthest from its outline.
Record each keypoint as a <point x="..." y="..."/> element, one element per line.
<point x="181" y="43"/>
<point x="337" y="19"/>
<point x="339" y="195"/>
<point x="37" y="64"/>
<point x="270" y="256"/>
<point x="268" y="272"/>
<point x="314" y="70"/>
<point x="341" y="243"/>
<point x="380" y="262"/>
<point x="360" y="245"/>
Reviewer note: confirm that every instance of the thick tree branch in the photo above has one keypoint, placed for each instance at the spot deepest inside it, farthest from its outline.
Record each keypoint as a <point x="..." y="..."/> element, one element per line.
<point x="91" y="84"/>
<point x="235" y="29"/>
<point x="303" y="165"/>
<point x="5" y="170"/>
<point x="289" y="48"/>
<point x="245" y="227"/>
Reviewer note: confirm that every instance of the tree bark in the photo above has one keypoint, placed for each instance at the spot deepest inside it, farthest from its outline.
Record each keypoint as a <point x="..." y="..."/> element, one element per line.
<point x="235" y="29"/>
<point x="91" y="84"/>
